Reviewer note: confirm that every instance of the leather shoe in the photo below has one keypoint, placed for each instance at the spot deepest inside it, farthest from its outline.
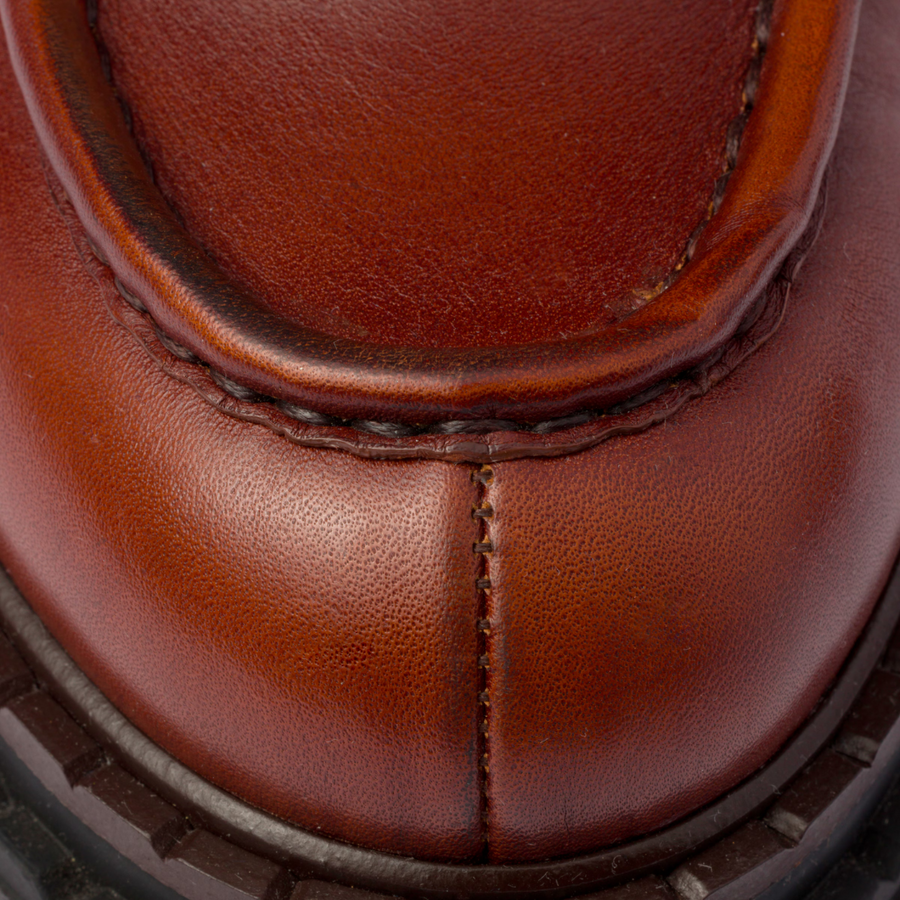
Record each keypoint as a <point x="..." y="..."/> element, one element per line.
<point x="449" y="449"/>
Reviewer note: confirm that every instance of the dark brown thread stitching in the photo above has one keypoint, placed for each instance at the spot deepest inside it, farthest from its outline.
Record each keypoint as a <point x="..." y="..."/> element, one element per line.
<point x="465" y="426"/>
<point x="733" y="137"/>
<point x="764" y="317"/>
<point x="482" y="513"/>
<point x="18" y="620"/>
<point x="400" y="430"/>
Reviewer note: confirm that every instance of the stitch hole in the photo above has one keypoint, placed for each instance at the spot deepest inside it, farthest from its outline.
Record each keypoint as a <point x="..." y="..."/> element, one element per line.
<point x="763" y="27"/>
<point x="481" y="426"/>
<point x="752" y="85"/>
<point x="733" y="139"/>
<point x="385" y="429"/>
<point x="567" y="422"/>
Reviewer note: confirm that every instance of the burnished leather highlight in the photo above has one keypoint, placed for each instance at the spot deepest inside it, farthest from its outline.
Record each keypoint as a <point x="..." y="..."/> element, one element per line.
<point x="858" y="718"/>
<point x="725" y="558"/>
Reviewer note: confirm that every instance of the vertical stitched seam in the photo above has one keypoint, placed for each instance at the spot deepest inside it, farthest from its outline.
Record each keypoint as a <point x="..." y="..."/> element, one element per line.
<point x="483" y="512"/>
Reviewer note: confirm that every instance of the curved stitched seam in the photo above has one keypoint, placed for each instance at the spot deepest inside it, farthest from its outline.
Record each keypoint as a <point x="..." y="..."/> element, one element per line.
<point x="733" y="136"/>
<point x="389" y="429"/>
<point x="483" y="512"/>
<point x="398" y="430"/>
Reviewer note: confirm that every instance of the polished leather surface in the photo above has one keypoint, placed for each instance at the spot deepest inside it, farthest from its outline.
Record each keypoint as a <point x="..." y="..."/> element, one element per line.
<point x="299" y="625"/>
<point x="364" y="385"/>
<point x="436" y="174"/>
<point x="295" y="624"/>
<point x="668" y="606"/>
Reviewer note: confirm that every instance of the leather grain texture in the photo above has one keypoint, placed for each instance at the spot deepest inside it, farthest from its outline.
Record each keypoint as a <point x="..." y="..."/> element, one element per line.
<point x="770" y="195"/>
<point x="277" y="617"/>
<point x="437" y="174"/>
<point x="829" y="800"/>
<point x="666" y="608"/>
<point x="300" y="626"/>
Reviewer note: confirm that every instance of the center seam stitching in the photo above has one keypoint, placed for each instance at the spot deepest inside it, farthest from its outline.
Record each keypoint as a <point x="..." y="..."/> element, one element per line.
<point x="483" y="512"/>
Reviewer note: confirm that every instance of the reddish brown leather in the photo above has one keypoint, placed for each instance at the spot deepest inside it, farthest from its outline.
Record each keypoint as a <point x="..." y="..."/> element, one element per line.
<point x="770" y="196"/>
<point x="299" y="625"/>
<point x="436" y="174"/>
<point x="296" y="625"/>
<point x="666" y="608"/>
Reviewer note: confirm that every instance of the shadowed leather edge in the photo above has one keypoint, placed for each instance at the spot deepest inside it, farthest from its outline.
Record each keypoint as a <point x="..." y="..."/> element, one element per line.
<point x="766" y="207"/>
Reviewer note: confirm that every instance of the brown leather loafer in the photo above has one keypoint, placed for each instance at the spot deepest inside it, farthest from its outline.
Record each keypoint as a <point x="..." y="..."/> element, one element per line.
<point x="450" y="449"/>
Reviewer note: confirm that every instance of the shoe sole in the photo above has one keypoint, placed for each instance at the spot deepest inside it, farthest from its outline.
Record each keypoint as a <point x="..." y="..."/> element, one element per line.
<point x="764" y="839"/>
